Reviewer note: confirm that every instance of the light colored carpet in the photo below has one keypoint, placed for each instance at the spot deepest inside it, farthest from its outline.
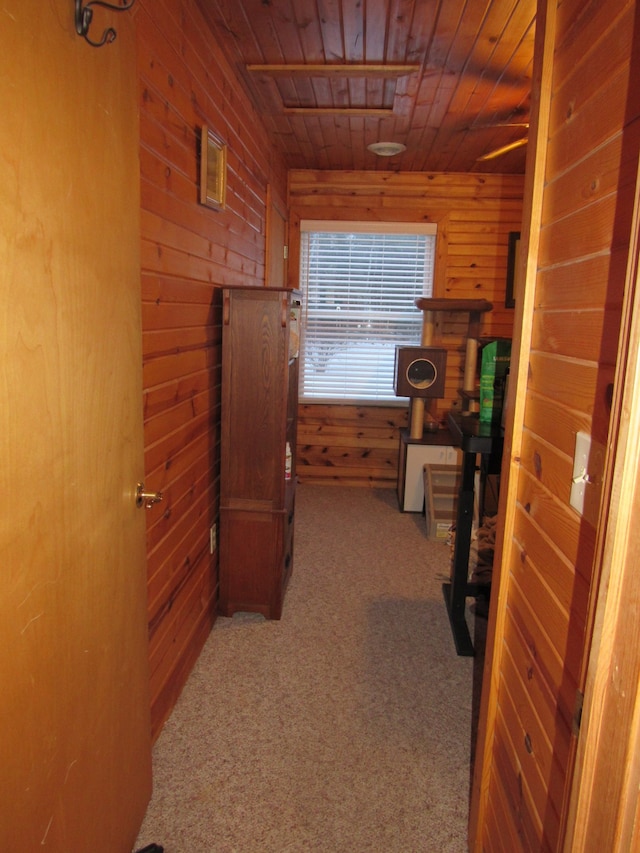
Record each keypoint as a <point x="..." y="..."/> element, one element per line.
<point x="343" y="728"/>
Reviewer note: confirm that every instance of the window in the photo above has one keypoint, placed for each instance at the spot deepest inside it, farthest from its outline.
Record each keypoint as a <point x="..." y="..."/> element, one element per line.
<point x="360" y="282"/>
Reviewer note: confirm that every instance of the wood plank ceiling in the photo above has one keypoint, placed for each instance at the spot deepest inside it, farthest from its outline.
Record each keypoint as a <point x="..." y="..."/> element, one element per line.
<point x="449" y="79"/>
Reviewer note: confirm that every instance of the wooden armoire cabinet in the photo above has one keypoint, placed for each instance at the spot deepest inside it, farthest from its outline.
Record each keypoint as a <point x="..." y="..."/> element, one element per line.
<point x="260" y="333"/>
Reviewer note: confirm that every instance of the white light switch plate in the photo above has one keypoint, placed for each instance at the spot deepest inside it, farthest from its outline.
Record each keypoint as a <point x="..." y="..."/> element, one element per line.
<point x="588" y="472"/>
<point x="580" y="468"/>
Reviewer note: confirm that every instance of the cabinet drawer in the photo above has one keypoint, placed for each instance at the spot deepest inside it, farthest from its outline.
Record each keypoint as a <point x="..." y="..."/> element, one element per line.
<point x="256" y="560"/>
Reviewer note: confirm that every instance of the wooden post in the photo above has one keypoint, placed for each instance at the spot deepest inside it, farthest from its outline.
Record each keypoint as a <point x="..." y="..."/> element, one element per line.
<point x="418" y="403"/>
<point x="417" y="417"/>
<point x="470" y="364"/>
<point x="428" y="325"/>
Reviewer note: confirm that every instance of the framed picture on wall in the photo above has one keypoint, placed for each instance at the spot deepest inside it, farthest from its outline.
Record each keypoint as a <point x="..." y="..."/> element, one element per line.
<point x="512" y="265"/>
<point x="213" y="170"/>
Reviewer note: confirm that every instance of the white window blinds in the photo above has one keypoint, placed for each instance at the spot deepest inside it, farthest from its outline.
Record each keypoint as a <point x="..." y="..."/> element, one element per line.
<point x="359" y="290"/>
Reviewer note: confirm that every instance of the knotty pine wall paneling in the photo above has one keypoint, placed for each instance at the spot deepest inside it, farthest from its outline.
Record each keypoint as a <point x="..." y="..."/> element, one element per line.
<point x="474" y="214"/>
<point x="548" y="571"/>
<point x="188" y="253"/>
<point x="349" y="445"/>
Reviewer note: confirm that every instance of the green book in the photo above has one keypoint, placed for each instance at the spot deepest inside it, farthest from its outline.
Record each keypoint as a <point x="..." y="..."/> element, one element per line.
<point x="494" y="366"/>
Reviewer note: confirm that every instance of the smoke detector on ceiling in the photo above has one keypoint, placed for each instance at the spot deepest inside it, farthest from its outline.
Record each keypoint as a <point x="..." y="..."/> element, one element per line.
<point x="387" y="149"/>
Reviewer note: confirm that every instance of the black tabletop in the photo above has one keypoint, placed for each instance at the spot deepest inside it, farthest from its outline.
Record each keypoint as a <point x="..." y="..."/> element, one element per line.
<point x="473" y="435"/>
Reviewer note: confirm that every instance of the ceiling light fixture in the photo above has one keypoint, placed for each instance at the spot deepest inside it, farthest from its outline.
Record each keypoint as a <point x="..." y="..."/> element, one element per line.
<point x="386" y="149"/>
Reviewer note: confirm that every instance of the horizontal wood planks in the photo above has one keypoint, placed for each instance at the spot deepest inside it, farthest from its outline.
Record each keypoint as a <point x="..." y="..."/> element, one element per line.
<point x="349" y="445"/>
<point x="575" y="324"/>
<point x="188" y="252"/>
<point x="474" y="214"/>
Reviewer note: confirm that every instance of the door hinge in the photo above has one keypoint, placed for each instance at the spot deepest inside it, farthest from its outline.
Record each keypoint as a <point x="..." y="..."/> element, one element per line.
<point x="285" y="252"/>
<point x="577" y="713"/>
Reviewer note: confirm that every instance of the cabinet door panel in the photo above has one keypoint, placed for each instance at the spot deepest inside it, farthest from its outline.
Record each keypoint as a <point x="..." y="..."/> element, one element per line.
<point x="258" y="443"/>
<point x="251" y="552"/>
<point x="254" y="363"/>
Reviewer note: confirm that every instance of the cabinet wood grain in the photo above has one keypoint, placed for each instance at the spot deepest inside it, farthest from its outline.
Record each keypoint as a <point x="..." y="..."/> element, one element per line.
<point x="257" y="449"/>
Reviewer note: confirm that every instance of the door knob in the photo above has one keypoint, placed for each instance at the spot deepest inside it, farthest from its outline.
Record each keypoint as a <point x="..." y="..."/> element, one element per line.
<point x="147" y="499"/>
